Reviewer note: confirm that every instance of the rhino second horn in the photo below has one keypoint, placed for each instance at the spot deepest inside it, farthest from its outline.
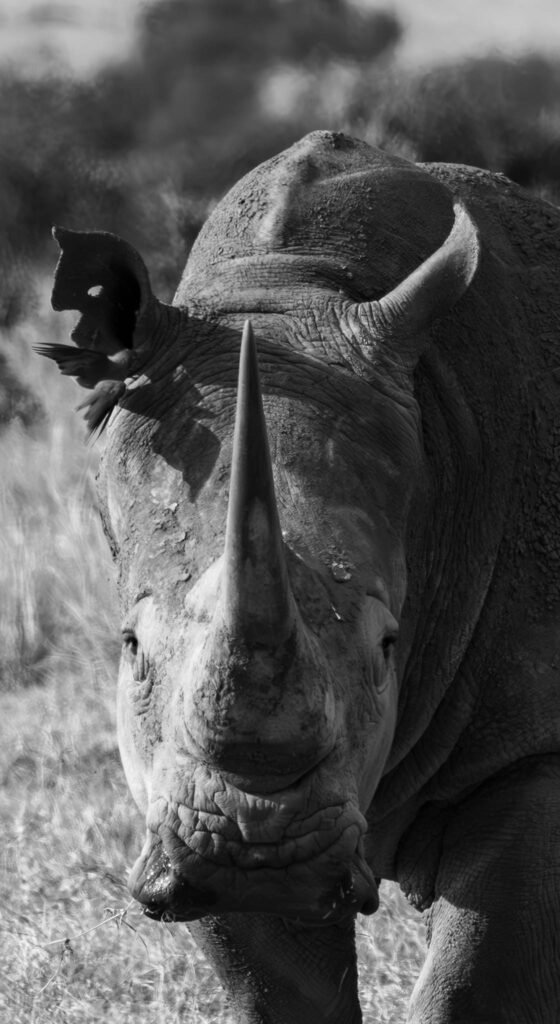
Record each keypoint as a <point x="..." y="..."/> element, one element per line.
<point x="438" y="283"/>
<point x="258" y="605"/>
<point x="428" y="293"/>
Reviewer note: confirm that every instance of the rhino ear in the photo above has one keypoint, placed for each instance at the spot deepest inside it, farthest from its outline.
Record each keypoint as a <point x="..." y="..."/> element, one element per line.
<point x="407" y="312"/>
<point x="105" y="279"/>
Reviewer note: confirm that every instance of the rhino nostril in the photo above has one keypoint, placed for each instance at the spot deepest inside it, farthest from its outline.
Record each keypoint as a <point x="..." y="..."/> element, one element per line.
<point x="157" y="913"/>
<point x="151" y="875"/>
<point x="369" y="906"/>
<point x="364" y="887"/>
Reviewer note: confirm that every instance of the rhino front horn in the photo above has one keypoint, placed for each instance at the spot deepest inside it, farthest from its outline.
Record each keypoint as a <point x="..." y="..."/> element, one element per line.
<point x="258" y="604"/>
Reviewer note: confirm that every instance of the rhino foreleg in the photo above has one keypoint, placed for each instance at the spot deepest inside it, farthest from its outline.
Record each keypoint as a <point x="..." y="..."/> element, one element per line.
<point x="276" y="972"/>
<point x="494" y="950"/>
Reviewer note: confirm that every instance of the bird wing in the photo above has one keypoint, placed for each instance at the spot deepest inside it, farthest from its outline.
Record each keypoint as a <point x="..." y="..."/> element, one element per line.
<point x="90" y="367"/>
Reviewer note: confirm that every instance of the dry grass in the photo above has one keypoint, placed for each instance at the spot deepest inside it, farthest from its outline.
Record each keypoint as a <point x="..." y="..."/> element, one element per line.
<point x="73" y="948"/>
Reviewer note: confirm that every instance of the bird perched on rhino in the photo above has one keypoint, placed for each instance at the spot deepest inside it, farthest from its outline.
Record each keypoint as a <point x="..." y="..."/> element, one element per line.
<point x="104" y="374"/>
<point x="109" y="305"/>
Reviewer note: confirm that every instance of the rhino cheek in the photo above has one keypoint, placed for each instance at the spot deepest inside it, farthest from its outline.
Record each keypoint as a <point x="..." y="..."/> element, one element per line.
<point x="134" y="764"/>
<point x="379" y="745"/>
<point x="115" y="509"/>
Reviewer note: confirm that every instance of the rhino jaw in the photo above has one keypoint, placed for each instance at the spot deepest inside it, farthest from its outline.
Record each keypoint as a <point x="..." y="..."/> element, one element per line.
<point x="224" y="850"/>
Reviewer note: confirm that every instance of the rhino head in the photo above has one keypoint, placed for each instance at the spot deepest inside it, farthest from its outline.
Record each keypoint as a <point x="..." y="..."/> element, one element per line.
<point x="256" y="486"/>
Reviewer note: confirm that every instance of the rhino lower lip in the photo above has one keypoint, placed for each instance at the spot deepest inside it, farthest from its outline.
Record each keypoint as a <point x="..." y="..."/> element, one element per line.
<point x="169" y="896"/>
<point x="178" y="901"/>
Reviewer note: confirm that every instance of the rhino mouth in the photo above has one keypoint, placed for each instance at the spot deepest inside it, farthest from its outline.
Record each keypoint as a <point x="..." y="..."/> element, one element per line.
<point x="255" y="853"/>
<point x="170" y="896"/>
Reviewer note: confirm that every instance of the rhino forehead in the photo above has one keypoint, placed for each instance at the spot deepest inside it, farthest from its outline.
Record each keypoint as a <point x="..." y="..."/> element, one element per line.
<point x="290" y="208"/>
<point x="166" y="513"/>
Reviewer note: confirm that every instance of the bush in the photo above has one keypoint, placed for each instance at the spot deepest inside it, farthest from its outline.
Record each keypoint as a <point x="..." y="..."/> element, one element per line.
<point x="491" y="112"/>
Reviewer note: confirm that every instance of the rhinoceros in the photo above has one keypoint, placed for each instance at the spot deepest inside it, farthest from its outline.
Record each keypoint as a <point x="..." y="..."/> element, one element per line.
<point x="331" y="485"/>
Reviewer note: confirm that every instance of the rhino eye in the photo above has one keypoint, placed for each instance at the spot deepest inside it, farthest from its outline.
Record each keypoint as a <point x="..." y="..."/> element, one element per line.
<point x="134" y="654"/>
<point x="130" y="643"/>
<point x="387" y="644"/>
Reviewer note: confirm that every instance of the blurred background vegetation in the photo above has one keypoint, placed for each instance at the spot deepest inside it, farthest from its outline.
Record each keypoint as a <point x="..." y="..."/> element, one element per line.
<point x="212" y="87"/>
<point x="145" y="147"/>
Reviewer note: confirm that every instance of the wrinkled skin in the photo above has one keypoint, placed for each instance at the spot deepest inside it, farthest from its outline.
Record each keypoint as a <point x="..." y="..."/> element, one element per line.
<point x="372" y="692"/>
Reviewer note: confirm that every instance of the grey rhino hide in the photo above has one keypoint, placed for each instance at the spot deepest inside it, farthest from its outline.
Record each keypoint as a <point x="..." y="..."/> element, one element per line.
<point x="396" y="426"/>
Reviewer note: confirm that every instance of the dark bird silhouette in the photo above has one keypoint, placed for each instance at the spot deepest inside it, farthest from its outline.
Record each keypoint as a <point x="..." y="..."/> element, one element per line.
<point x="88" y="366"/>
<point x="105" y="374"/>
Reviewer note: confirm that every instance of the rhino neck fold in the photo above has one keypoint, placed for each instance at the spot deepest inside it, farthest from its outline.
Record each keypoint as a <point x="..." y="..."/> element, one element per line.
<point x="258" y="606"/>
